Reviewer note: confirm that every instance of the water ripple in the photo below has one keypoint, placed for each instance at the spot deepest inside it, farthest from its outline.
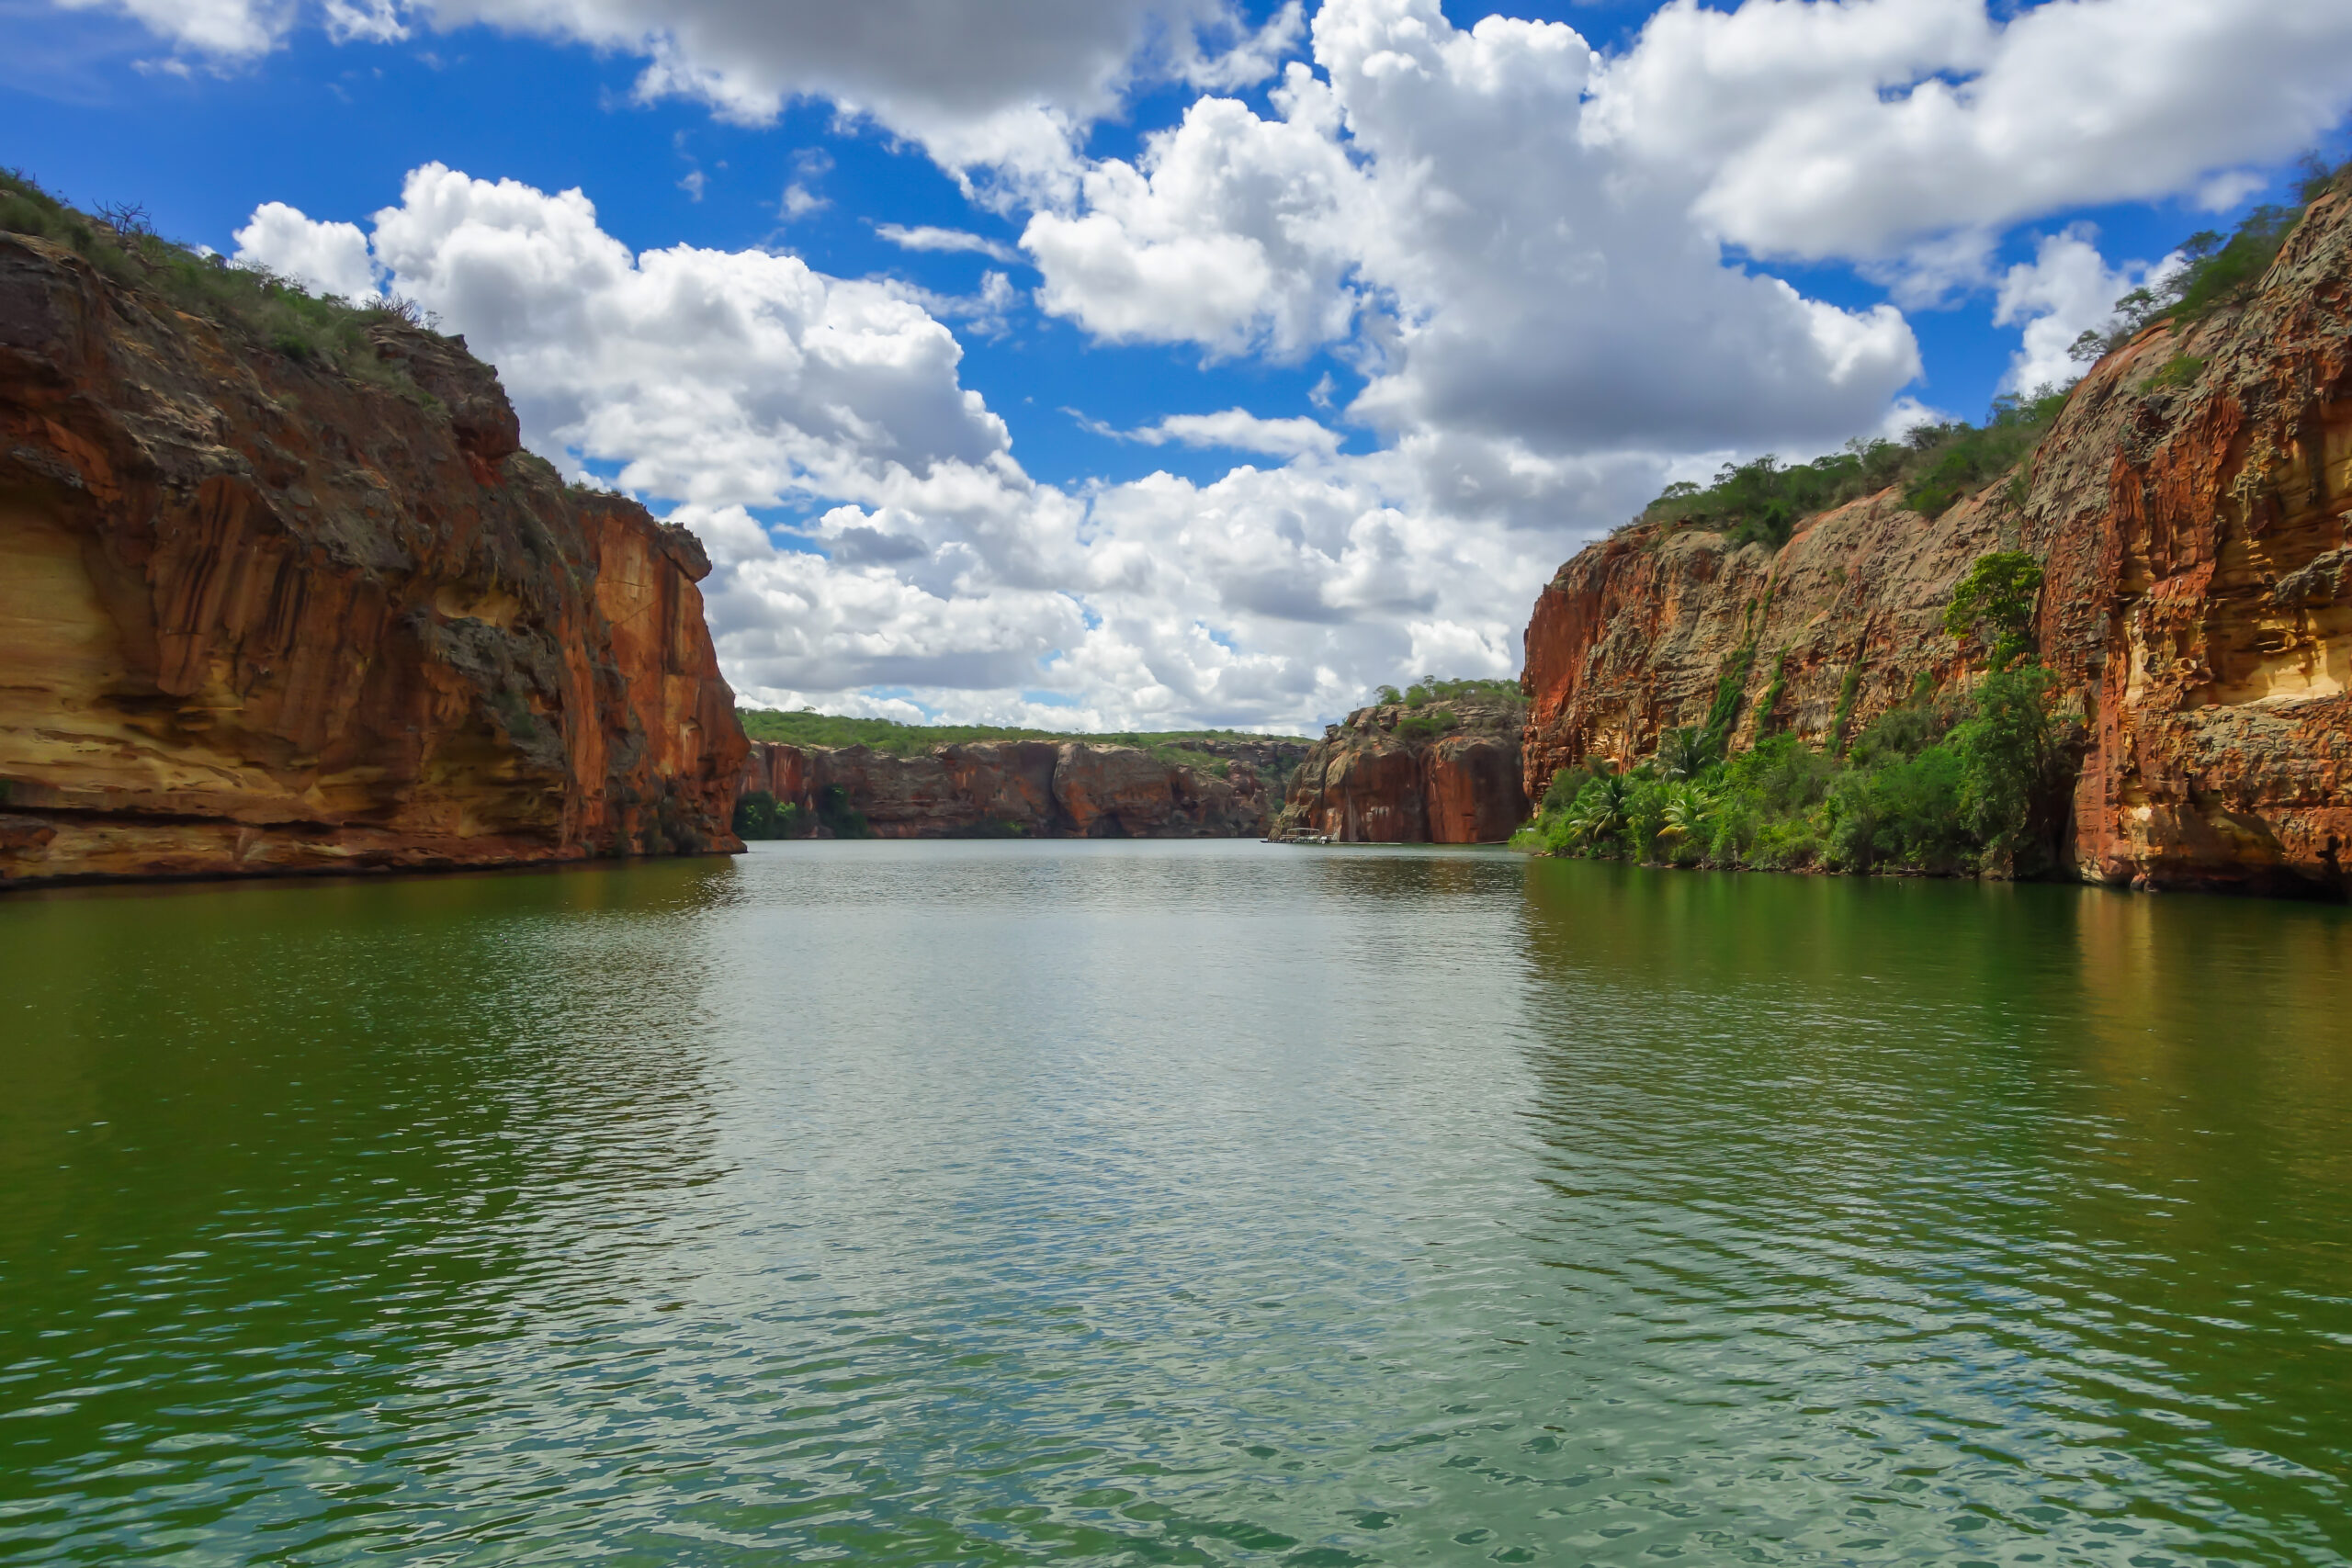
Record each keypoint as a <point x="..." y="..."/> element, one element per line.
<point x="1187" y="1203"/>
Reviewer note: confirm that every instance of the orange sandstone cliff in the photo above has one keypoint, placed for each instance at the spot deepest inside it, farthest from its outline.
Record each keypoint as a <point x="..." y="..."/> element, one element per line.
<point x="1035" y="789"/>
<point x="1387" y="776"/>
<point x="2197" y="606"/>
<point x="258" y="616"/>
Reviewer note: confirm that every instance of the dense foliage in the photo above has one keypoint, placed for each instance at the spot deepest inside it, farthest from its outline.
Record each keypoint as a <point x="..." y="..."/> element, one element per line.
<point x="1427" y="720"/>
<point x="1430" y="689"/>
<point x="2215" y="272"/>
<point x="759" y="815"/>
<point x="1976" y="781"/>
<point x="276" y="313"/>
<point x="1936" y="465"/>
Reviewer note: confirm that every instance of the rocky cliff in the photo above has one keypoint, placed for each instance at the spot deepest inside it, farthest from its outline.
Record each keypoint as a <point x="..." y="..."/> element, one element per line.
<point x="260" y="615"/>
<point x="2190" y="507"/>
<point x="1030" y="788"/>
<point x="1392" y="774"/>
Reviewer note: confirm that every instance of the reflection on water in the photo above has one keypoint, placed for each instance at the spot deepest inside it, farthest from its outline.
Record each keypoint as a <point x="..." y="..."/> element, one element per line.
<point x="904" y="1203"/>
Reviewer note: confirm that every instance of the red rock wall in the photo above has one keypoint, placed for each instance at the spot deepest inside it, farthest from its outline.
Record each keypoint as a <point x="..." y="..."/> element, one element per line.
<point x="260" y="617"/>
<point x="2198" y="604"/>
<point x="1036" y="788"/>
<point x="1365" y="782"/>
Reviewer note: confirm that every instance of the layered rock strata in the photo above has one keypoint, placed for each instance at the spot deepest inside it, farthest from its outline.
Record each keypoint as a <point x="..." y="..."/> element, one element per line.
<point x="258" y="616"/>
<point x="1389" y="775"/>
<point x="2190" y="506"/>
<point x="1027" y="788"/>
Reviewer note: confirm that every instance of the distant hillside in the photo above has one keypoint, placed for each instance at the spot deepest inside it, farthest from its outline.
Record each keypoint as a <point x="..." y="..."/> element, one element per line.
<point x="804" y="727"/>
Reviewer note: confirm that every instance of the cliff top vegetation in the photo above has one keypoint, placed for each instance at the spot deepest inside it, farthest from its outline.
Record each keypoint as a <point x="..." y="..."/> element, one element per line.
<point x="1936" y="465"/>
<point x="1763" y="500"/>
<point x="2215" y="271"/>
<point x="274" y="312"/>
<point x="805" y="727"/>
<point x="1430" y="689"/>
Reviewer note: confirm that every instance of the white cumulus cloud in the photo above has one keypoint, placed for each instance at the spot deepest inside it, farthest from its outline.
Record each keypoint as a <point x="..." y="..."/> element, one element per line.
<point x="2067" y="290"/>
<point x="326" y="258"/>
<point x="1001" y="88"/>
<point x="872" y="528"/>
<point x="1435" y="198"/>
<point x="1858" y="127"/>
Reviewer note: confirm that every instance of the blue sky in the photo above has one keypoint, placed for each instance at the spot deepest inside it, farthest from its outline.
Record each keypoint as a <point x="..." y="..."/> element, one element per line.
<point x="1510" y="283"/>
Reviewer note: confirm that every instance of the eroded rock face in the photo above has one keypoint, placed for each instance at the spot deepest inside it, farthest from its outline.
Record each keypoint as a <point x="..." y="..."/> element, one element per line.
<point x="1375" y="780"/>
<point x="1029" y="788"/>
<point x="257" y="617"/>
<point x="2194" y="531"/>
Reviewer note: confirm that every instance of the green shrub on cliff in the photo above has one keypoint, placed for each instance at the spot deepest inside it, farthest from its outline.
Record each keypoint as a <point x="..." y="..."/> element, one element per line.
<point x="759" y="815"/>
<point x="1427" y="726"/>
<point x="2214" y="271"/>
<point x="1997" y="595"/>
<point x="1976" y="781"/>
<point x="1430" y="689"/>
<point x="1763" y="500"/>
<point x="278" y="313"/>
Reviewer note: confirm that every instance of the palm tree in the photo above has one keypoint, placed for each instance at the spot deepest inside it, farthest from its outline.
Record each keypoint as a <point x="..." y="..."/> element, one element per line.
<point x="1600" y="807"/>
<point x="1683" y="753"/>
<point x="1689" y="813"/>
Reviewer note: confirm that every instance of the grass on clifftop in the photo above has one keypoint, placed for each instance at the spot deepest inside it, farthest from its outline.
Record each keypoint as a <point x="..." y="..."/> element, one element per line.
<point x="1939" y="464"/>
<point x="1936" y="465"/>
<point x="275" y="311"/>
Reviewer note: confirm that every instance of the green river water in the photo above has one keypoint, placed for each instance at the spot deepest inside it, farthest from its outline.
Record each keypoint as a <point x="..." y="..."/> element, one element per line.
<point x="1194" y="1203"/>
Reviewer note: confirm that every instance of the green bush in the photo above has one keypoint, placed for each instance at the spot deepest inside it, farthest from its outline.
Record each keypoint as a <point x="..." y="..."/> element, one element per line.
<point x="1997" y="594"/>
<point x="1848" y="691"/>
<point x="1722" y="713"/>
<point x="1763" y="500"/>
<point x="758" y="814"/>
<point x="2217" y="272"/>
<point x="1427" y="726"/>
<point x="1430" y="689"/>
<point x="1977" y="780"/>
<point x="837" y="816"/>
<point x="320" y="332"/>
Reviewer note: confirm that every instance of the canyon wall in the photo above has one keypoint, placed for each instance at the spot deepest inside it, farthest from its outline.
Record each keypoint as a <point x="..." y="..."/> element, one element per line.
<point x="261" y="616"/>
<point x="1032" y="788"/>
<point x="2191" y="508"/>
<point x="1387" y="777"/>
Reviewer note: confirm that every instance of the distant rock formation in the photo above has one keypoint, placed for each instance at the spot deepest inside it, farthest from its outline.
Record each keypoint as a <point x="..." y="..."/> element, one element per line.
<point x="2193" y="508"/>
<point x="1391" y="775"/>
<point x="260" y="616"/>
<point x="1031" y="788"/>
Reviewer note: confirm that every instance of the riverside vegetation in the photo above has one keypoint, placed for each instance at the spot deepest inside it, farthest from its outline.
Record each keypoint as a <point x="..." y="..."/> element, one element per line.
<point x="1975" y="779"/>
